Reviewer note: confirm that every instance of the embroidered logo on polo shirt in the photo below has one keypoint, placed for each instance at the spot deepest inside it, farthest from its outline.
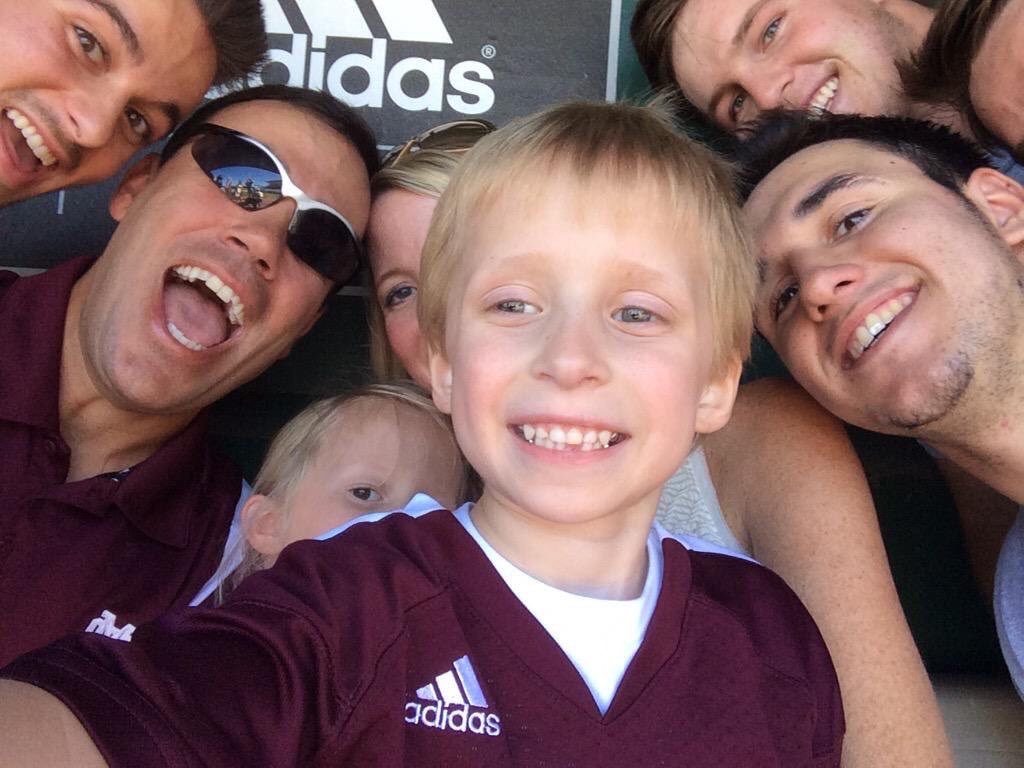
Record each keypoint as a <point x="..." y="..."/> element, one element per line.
<point x="453" y="702"/>
<point x="104" y="624"/>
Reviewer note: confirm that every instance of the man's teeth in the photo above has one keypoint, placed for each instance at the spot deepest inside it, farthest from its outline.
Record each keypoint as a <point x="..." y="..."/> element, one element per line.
<point x="182" y="339"/>
<point x="561" y="437"/>
<point x="823" y="98"/>
<point x="223" y="291"/>
<point x="874" y="324"/>
<point x="32" y="137"/>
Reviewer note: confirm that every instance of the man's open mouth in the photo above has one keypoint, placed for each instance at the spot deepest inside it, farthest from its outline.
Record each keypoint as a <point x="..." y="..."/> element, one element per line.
<point x="31" y="150"/>
<point x="201" y="310"/>
<point x="567" y="437"/>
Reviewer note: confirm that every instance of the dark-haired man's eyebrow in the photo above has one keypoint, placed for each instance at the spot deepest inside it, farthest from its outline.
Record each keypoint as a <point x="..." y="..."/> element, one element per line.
<point x="748" y="20"/>
<point x="131" y="40"/>
<point x="817" y="196"/>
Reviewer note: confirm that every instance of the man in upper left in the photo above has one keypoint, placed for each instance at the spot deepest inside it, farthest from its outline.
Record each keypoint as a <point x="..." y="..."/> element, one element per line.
<point x="86" y="83"/>
<point x="114" y="506"/>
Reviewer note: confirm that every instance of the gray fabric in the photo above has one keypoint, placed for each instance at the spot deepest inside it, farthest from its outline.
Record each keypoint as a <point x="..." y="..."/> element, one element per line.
<point x="1005" y="164"/>
<point x="1009" y="602"/>
<point x="689" y="504"/>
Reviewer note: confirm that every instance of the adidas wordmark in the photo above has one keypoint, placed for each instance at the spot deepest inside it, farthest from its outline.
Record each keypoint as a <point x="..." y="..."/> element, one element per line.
<point x="453" y="702"/>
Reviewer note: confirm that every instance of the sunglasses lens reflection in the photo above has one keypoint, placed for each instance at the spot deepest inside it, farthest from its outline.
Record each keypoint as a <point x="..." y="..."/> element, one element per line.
<point x="242" y="171"/>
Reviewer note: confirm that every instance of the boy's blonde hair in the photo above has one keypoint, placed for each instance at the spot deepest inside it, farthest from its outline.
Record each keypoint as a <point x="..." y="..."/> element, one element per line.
<point x="297" y="445"/>
<point x="628" y="150"/>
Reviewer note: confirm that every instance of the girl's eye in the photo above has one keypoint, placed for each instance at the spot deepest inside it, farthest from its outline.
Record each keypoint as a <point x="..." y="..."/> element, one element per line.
<point x="365" y="493"/>
<point x="399" y="295"/>
<point x="851" y="221"/>
<point x="771" y="30"/>
<point x="783" y="298"/>
<point x="90" y="45"/>
<point x="516" y="307"/>
<point x="138" y="124"/>
<point x="633" y="315"/>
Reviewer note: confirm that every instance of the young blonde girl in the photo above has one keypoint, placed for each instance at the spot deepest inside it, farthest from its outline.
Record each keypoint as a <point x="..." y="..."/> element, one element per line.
<point x="369" y="450"/>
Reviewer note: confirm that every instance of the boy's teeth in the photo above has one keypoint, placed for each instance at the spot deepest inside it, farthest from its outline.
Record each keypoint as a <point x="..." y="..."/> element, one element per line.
<point x="559" y="437"/>
<point x="32" y="138"/>
<point x="824" y="96"/>
<point x="876" y="322"/>
<point x="223" y="291"/>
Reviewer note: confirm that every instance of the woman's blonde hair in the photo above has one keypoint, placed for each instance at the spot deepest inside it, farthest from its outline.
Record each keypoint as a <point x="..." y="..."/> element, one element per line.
<point x="634" y="152"/>
<point x="426" y="172"/>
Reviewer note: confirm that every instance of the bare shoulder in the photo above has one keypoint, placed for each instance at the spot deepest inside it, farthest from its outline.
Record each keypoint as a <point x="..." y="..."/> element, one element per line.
<point x="779" y="446"/>
<point x="769" y="411"/>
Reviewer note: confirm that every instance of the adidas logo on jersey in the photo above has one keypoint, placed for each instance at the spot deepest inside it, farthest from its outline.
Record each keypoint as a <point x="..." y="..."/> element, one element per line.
<point x="104" y="624"/>
<point x="363" y="77"/>
<point x="453" y="702"/>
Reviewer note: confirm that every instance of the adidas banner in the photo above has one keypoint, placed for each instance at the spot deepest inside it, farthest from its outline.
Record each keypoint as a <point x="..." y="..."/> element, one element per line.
<point x="406" y="64"/>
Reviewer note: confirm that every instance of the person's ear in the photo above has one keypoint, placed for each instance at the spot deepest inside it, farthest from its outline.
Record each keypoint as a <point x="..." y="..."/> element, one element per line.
<point x="715" y="405"/>
<point x="1001" y="200"/>
<point x="135" y="180"/>
<point x="262" y="522"/>
<point x="440" y="380"/>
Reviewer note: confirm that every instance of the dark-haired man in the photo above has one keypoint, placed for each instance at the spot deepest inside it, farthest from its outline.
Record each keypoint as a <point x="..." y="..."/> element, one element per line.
<point x="89" y="82"/>
<point x="892" y="286"/>
<point x="734" y="59"/>
<point x="113" y="505"/>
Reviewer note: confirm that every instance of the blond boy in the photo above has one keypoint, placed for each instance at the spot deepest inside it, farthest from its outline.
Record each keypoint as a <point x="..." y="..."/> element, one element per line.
<point x="587" y="298"/>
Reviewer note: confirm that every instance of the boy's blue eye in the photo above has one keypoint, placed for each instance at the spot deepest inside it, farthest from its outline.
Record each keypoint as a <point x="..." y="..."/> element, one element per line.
<point x="633" y="315"/>
<point x="516" y="306"/>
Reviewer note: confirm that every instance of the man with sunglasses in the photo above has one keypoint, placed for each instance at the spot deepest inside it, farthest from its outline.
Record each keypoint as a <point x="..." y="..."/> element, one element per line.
<point x="93" y="81"/>
<point x="113" y="505"/>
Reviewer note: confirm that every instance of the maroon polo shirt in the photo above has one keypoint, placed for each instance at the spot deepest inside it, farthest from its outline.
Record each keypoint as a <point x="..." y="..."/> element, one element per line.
<point x="132" y="544"/>
<point x="397" y="643"/>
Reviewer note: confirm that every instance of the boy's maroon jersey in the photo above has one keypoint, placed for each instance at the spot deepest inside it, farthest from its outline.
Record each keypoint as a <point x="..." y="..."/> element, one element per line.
<point x="398" y="644"/>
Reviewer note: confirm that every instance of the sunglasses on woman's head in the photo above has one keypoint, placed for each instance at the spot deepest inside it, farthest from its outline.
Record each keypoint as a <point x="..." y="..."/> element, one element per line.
<point x="252" y="177"/>
<point x="457" y="136"/>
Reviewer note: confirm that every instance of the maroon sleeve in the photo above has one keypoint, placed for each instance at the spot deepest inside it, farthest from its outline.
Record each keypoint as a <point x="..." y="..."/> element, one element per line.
<point x="255" y="682"/>
<point x="792" y="652"/>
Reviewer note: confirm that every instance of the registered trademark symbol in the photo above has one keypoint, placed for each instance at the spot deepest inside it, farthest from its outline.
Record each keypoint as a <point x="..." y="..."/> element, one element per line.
<point x="488" y="51"/>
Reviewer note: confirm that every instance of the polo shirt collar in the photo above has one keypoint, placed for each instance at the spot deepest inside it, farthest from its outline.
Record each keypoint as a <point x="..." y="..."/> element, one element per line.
<point x="161" y="494"/>
<point x="32" y="314"/>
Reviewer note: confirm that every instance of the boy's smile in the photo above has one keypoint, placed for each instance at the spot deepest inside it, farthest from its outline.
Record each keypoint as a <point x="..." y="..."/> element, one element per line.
<point x="579" y="350"/>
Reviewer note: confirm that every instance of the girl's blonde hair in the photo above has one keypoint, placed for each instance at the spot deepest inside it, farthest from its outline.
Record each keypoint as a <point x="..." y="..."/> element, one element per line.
<point x="296" y="447"/>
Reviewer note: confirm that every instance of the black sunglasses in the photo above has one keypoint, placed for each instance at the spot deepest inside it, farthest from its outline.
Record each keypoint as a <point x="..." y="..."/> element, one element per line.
<point x="252" y="177"/>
